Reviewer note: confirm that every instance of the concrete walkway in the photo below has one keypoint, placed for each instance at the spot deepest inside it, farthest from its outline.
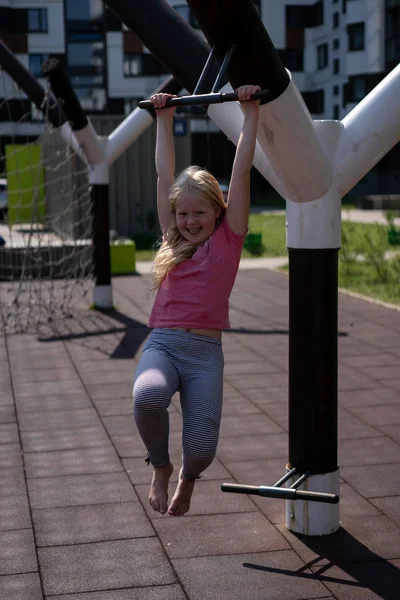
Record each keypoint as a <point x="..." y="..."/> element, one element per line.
<point x="75" y="523"/>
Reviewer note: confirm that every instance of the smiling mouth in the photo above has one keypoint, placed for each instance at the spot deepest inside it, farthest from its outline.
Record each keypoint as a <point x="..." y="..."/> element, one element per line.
<point x="193" y="231"/>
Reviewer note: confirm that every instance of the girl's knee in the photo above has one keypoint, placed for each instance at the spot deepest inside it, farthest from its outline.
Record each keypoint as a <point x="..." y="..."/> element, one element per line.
<point x="195" y="462"/>
<point x="148" y="399"/>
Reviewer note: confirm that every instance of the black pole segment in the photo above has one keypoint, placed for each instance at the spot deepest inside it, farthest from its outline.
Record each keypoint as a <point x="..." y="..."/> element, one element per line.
<point x="278" y="492"/>
<point x="203" y="76"/>
<point x="224" y="67"/>
<point x="205" y="99"/>
<point x="101" y="234"/>
<point x="173" y="42"/>
<point x="255" y="60"/>
<point x="32" y="88"/>
<point x="62" y="89"/>
<point x="313" y="361"/>
<point x="169" y="86"/>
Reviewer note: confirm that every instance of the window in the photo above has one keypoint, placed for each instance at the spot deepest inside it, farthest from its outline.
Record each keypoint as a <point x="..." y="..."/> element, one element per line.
<point x="336" y="66"/>
<point x="84" y="10"/>
<point x="129" y="105"/>
<point x="359" y="88"/>
<point x="142" y="64"/>
<point x="356" y="33"/>
<point x="322" y="56"/>
<point x="314" y="101"/>
<point x="301" y="17"/>
<point x="335" y="23"/>
<point x="336" y="113"/>
<point x="86" y="57"/>
<point x="292" y="59"/>
<point x="335" y="90"/>
<point x="344" y="6"/>
<point x="336" y="44"/>
<point x="37" y="20"/>
<point x="91" y="98"/>
<point x="35" y="64"/>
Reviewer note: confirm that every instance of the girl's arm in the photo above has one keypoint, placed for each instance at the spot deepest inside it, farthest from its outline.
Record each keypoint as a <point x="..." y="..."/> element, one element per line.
<point x="237" y="212"/>
<point x="165" y="157"/>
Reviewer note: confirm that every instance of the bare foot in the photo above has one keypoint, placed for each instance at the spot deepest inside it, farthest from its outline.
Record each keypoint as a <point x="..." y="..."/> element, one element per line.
<point x="158" y="494"/>
<point x="180" y="503"/>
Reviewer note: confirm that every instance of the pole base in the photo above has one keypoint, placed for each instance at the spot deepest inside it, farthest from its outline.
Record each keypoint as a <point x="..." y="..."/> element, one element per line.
<point x="102" y="297"/>
<point x="314" y="518"/>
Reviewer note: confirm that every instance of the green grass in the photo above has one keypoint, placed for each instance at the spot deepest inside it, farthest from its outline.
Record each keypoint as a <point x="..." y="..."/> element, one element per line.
<point x="144" y="255"/>
<point x="362" y="279"/>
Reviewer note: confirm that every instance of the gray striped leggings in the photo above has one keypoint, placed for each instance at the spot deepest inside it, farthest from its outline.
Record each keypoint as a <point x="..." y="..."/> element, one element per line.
<point x="193" y="364"/>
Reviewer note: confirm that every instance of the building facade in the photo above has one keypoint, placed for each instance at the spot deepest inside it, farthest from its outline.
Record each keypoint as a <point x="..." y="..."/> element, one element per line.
<point x="336" y="50"/>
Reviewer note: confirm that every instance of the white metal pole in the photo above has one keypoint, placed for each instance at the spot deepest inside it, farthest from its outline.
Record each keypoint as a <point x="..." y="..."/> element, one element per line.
<point x="371" y="129"/>
<point x="126" y="133"/>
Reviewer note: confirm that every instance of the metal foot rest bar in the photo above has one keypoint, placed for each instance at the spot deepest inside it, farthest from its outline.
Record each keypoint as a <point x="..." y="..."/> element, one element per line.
<point x="214" y="97"/>
<point x="276" y="491"/>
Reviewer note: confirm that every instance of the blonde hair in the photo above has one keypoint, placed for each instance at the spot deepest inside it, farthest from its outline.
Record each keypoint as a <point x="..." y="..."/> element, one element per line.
<point x="175" y="248"/>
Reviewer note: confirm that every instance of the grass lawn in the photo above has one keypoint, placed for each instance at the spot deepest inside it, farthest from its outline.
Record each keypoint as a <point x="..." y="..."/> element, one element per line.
<point x="357" y="277"/>
<point x="362" y="279"/>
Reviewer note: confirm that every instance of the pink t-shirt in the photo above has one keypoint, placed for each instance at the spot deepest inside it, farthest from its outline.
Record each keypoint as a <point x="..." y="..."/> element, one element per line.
<point x="195" y="293"/>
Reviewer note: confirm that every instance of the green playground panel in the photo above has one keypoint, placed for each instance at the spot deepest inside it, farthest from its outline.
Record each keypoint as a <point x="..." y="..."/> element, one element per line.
<point x="25" y="183"/>
<point x="123" y="257"/>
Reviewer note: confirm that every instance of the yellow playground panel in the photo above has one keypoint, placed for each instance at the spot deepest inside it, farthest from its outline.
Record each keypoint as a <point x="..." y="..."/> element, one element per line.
<point x="25" y="183"/>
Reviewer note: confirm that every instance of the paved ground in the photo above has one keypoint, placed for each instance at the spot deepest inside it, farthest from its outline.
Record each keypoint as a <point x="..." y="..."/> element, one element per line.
<point x="74" y="519"/>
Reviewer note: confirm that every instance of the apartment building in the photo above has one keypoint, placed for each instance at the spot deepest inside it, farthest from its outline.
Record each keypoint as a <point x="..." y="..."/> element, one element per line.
<point x="336" y="50"/>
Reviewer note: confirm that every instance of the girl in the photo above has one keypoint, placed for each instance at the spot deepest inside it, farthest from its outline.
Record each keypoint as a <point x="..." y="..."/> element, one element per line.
<point x="194" y="272"/>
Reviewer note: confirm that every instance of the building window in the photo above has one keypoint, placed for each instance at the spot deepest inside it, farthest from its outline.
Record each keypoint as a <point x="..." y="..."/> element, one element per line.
<point x="358" y="88"/>
<point x="336" y="114"/>
<point x="322" y="56"/>
<point x="86" y="58"/>
<point x="292" y="59"/>
<point x="335" y="23"/>
<point x="314" y="101"/>
<point x="356" y="33"/>
<point x="132" y="65"/>
<point x="129" y="105"/>
<point x="142" y="64"/>
<point x="35" y="64"/>
<point x="336" y="66"/>
<point x="344" y="6"/>
<point x="336" y="44"/>
<point x="37" y="20"/>
<point x="84" y="10"/>
<point x="335" y="90"/>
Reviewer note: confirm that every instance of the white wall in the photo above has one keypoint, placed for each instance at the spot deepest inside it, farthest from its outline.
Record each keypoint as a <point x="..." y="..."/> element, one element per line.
<point x="54" y="40"/>
<point x="120" y="86"/>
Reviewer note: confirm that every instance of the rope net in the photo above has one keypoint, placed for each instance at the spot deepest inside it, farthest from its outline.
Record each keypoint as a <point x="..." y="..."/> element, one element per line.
<point x="46" y="261"/>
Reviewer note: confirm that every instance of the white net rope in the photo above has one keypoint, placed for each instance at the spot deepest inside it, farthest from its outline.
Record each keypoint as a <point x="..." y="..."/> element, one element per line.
<point x="45" y="225"/>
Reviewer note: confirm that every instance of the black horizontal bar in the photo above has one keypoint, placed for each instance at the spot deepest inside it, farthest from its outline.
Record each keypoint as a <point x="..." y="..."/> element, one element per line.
<point x="277" y="492"/>
<point x="204" y="99"/>
<point x="31" y="87"/>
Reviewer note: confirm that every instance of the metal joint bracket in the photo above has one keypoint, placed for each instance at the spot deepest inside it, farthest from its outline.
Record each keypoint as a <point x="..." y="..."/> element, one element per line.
<point x="198" y="99"/>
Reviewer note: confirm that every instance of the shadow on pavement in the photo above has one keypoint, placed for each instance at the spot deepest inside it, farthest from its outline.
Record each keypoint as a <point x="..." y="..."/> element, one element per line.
<point x="344" y="561"/>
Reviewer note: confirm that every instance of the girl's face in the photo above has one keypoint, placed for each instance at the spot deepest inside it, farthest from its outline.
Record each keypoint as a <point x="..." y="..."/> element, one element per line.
<point x="195" y="217"/>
